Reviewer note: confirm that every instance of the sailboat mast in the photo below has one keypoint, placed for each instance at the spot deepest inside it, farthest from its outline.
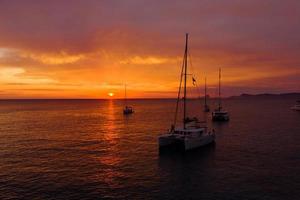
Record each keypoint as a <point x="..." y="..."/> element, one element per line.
<point x="125" y="95"/>
<point x="220" y="89"/>
<point x="205" y="94"/>
<point x="185" y="74"/>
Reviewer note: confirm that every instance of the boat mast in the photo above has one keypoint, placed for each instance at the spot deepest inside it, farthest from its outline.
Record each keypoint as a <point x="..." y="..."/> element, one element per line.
<point x="125" y="96"/>
<point x="220" y="106"/>
<point x="185" y="73"/>
<point x="205" y="94"/>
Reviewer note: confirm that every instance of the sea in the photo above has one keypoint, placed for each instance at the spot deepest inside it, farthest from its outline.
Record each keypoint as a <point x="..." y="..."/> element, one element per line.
<point x="87" y="150"/>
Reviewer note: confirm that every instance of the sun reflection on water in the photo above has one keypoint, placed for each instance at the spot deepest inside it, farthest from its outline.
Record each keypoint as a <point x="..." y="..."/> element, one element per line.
<point x="111" y="160"/>
<point x="111" y="135"/>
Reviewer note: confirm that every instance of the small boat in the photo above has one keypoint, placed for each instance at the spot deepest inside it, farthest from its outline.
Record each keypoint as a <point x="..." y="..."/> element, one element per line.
<point x="219" y="114"/>
<point x="206" y="107"/>
<point x="297" y="106"/>
<point x="127" y="109"/>
<point x="193" y="133"/>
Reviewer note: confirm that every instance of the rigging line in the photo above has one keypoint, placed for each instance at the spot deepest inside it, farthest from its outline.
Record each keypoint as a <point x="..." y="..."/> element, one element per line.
<point x="179" y="91"/>
<point x="191" y="64"/>
<point x="193" y="74"/>
<point x="198" y="91"/>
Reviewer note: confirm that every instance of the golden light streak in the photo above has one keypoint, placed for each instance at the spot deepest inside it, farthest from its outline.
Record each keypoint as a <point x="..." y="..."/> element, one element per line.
<point x="17" y="75"/>
<point x="148" y="60"/>
<point x="54" y="59"/>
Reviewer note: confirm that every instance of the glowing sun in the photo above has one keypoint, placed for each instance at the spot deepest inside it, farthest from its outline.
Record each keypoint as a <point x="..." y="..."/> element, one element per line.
<point x="110" y="94"/>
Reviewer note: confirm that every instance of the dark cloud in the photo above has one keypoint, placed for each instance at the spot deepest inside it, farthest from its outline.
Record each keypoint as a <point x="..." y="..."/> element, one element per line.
<point x="81" y="25"/>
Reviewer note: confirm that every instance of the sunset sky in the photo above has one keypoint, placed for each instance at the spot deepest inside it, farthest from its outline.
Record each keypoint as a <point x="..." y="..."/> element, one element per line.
<point x="90" y="48"/>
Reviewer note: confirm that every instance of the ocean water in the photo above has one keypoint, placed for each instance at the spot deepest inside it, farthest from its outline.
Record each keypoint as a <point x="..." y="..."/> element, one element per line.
<point x="87" y="149"/>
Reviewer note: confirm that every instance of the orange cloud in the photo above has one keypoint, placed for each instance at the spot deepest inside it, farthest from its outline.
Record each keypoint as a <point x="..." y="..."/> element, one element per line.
<point x="149" y="60"/>
<point x="16" y="75"/>
<point x="54" y="59"/>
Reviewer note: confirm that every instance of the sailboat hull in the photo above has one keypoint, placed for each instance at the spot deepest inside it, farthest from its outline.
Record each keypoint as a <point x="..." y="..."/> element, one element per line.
<point x="184" y="142"/>
<point x="193" y="143"/>
<point x="170" y="140"/>
<point x="220" y="116"/>
<point x="127" y="112"/>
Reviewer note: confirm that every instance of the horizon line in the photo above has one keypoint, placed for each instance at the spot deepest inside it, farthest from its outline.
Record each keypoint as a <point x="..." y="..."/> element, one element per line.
<point x="153" y="98"/>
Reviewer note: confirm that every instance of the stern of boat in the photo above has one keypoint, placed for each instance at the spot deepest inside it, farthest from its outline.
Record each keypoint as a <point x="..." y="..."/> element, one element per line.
<point x="193" y="143"/>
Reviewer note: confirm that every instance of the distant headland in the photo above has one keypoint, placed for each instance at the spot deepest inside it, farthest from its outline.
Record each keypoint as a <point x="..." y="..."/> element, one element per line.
<point x="268" y="95"/>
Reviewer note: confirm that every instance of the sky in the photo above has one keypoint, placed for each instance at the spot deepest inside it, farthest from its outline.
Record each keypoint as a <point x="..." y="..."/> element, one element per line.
<point x="89" y="48"/>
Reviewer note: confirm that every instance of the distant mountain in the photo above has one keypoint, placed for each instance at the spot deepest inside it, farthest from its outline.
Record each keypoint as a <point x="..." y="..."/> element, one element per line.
<point x="268" y="95"/>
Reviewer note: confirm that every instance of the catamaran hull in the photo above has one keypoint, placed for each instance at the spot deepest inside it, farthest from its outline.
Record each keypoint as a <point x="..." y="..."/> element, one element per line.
<point x="169" y="140"/>
<point x="184" y="143"/>
<point x="190" y="144"/>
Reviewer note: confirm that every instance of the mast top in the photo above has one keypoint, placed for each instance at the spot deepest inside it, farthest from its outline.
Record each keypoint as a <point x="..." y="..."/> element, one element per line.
<point x="220" y="82"/>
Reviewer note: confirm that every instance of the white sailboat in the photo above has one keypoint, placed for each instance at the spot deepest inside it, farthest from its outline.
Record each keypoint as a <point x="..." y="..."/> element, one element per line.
<point x="193" y="134"/>
<point x="127" y="109"/>
<point x="219" y="114"/>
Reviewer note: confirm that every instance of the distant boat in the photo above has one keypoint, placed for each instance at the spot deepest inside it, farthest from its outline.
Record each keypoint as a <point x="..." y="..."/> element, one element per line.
<point x="219" y="114"/>
<point x="296" y="106"/>
<point x="127" y="109"/>
<point x="193" y="134"/>
<point x="206" y="107"/>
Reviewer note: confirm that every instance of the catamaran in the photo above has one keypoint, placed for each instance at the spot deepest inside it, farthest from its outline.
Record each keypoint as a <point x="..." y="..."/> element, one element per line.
<point x="127" y="109"/>
<point x="206" y="107"/>
<point x="193" y="133"/>
<point x="219" y="114"/>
